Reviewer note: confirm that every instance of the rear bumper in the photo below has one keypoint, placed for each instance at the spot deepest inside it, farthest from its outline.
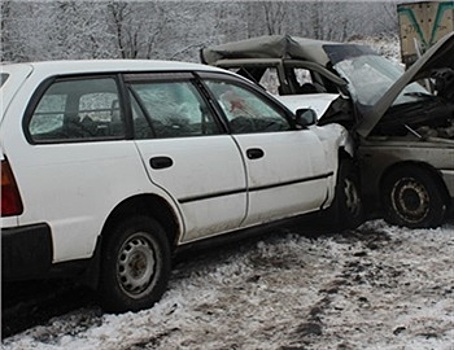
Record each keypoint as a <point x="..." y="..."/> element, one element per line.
<point x="26" y="252"/>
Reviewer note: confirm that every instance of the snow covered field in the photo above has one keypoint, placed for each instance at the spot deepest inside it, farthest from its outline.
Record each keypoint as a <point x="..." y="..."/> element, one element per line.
<point x="378" y="287"/>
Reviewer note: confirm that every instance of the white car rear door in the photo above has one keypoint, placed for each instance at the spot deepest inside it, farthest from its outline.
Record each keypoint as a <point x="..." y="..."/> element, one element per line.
<point x="186" y="153"/>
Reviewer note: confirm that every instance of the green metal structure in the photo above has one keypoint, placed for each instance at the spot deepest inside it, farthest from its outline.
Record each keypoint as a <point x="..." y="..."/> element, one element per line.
<point x="422" y="24"/>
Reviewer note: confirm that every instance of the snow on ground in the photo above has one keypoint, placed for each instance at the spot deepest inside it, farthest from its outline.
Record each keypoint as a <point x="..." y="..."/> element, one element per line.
<point x="378" y="287"/>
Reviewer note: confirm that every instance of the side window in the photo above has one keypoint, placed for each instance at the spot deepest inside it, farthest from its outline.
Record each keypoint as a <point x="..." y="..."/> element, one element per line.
<point x="170" y="109"/>
<point x="247" y="112"/>
<point x="77" y="110"/>
<point x="266" y="77"/>
<point x="270" y="81"/>
<point x="305" y="85"/>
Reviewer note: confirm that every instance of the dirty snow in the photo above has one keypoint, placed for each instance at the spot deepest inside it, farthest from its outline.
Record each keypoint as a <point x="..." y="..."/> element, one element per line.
<point x="378" y="287"/>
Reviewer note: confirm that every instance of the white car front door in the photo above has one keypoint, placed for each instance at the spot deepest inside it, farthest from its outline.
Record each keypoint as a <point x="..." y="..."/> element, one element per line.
<point x="286" y="168"/>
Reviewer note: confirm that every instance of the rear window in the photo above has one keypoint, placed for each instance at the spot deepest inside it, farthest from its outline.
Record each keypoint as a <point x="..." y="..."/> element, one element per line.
<point x="3" y="78"/>
<point x="77" y="110"/>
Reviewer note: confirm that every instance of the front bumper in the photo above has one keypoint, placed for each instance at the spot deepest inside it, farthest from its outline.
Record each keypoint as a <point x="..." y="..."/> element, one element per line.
<point x="26" y="252"/>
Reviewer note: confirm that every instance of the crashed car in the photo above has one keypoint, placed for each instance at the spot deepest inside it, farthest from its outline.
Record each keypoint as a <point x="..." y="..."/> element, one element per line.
<point x="402" y="122"/>
<point x="111" y="167"/>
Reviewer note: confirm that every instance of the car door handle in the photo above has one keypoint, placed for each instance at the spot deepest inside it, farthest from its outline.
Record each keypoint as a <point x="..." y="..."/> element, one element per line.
<point x="161" y="162"/>
<point x="255" y="153"/>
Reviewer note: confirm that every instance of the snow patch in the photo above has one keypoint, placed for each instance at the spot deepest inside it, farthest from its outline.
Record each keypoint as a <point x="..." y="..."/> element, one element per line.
<point x="377" y="287"/>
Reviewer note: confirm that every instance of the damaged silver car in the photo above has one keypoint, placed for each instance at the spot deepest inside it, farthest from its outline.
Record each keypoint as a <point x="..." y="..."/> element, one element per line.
<point x="402" y="122"/>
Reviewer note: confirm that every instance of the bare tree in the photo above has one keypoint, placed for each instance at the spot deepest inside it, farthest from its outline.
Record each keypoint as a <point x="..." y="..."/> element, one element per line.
<point x="5" y="13"/>
<point x="71" y="29"/>
<point x="275" y="16"/>
<point x="386" y="18"/>
<point x="136" y="28"/>
<point x="119" y="11"/>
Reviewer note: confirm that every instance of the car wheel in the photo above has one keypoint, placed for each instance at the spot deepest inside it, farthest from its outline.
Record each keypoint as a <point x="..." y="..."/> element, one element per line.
<point x="348" y="201"/>
<point x="412" y="197"/>
<point x="135" y="265"/>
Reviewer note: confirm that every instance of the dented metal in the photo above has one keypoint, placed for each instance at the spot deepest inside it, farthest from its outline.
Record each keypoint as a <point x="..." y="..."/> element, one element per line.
<point x="398" y="122"/>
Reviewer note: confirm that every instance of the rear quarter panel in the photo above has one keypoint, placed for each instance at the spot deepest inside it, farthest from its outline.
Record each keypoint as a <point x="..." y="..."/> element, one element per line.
<point x="71" y="186"/>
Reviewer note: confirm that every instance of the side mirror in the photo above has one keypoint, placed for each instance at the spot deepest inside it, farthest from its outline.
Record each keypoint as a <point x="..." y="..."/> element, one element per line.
<point x="305" y="117"/>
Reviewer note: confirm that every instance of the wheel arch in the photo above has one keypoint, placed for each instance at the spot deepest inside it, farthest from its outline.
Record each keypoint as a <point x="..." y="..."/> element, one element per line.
<point x="144" y="204"/>
<point x="149" y="205"/>
<point x="415" y="164"/>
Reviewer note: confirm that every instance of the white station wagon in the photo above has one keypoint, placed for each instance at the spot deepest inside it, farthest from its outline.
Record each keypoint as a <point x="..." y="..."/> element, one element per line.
<point x="109" y="166"/>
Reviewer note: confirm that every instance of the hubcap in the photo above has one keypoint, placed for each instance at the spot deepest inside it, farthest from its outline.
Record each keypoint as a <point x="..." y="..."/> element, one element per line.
<point x="410" y="200"/>
<point x="136" y="265"/>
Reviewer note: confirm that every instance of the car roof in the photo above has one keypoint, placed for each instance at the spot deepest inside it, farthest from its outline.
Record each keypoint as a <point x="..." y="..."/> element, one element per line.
<point x="19" y="72"/>
<point x="270" y="46"/>
<point x="114" y="65"/>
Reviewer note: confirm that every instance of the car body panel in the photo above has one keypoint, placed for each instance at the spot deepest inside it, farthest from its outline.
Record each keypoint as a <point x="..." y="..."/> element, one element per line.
<point x="378" y="155"/>
<point x="283" y="182"/>
<point x="17" y="74"/>
<point x="186" y="181"/>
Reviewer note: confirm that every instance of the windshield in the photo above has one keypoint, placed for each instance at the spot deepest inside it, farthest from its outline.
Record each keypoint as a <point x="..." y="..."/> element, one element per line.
<point x="3" y="78"/>
<point x="370" y="75"/>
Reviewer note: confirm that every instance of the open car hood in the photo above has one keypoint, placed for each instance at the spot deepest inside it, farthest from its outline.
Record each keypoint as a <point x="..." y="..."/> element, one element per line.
<point x="441" y="55"/>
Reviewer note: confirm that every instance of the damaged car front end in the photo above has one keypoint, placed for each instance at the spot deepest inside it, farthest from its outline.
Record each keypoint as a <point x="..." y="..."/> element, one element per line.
<point x="402" y="122"/>
<point x="406" y="133"/>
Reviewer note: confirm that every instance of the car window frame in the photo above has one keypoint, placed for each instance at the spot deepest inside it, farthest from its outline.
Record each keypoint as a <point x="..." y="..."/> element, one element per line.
<point x="253" y="89"/>
<point x="168" y="77"/>
<point x="322" y="74"/>
<point x="48" y="82"/>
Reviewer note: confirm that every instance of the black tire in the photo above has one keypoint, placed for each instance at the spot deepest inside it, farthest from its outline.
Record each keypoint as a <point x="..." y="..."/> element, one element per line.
<point x="412" y="196"/>
<point x="348" y="205"/>
<point x="135" y="265"/>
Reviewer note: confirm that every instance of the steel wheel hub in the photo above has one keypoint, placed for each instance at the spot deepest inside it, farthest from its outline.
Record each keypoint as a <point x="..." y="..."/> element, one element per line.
<point x="410" y="199"/>
<point x="136" y="265"/>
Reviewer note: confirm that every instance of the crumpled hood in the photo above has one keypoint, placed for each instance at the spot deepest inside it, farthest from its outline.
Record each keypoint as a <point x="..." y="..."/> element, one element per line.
<point x="441" y="55"/>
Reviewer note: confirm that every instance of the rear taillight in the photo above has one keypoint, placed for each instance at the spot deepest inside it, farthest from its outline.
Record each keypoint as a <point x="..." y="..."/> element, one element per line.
<point x="11" y="201"/>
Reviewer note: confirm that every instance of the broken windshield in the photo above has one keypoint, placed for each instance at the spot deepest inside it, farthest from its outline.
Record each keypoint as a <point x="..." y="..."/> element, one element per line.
<point x="370" y="75"/>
